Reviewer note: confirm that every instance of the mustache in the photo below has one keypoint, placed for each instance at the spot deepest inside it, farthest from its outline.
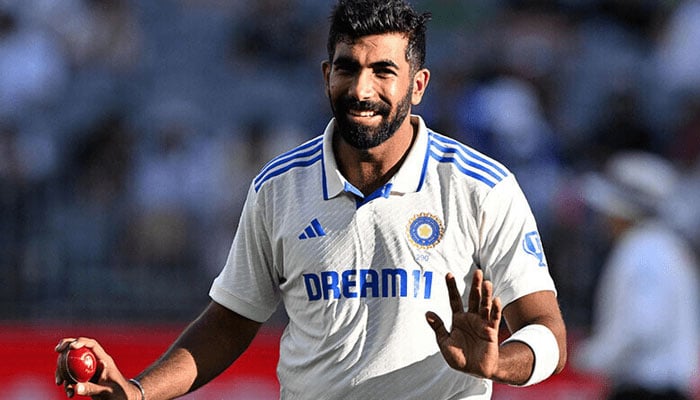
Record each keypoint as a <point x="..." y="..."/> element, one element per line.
<point x="349" y="103"/>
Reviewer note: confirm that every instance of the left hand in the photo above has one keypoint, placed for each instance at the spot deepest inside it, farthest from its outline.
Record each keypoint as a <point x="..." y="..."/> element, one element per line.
<point x="472" y="345"/>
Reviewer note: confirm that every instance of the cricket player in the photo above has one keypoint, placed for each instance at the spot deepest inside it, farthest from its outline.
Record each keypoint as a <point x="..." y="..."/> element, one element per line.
<point x="396" y="251"/>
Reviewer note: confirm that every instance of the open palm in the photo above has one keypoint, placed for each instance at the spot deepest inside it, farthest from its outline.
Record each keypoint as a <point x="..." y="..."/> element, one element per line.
<point x="472" y="344"/>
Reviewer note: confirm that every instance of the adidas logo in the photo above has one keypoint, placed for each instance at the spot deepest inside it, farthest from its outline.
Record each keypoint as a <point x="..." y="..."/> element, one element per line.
<point x="313" y="230"/>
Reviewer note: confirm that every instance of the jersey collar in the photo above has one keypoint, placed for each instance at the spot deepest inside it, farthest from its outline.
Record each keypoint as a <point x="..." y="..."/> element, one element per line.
<point x="409" y="178"/>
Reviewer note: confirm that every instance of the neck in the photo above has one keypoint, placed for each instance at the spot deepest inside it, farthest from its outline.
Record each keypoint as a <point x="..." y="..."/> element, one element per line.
<point x="370" y="169"/>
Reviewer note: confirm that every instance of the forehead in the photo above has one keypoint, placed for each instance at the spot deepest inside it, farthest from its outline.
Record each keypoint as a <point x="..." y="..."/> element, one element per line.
<point x="389" y="46"/>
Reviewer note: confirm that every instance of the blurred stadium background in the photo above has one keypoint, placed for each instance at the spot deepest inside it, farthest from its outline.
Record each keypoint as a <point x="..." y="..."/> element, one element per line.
<point x="129" y="131"/>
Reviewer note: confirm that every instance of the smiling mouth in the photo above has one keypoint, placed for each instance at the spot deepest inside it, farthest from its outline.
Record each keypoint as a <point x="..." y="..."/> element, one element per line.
<point x="362" y="114"/>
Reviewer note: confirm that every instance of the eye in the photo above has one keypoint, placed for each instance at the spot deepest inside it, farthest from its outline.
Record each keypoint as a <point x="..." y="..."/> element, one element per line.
<point x="344" y="66"/>
<point x="384" y="72"/>
<point x="343" y="70"/>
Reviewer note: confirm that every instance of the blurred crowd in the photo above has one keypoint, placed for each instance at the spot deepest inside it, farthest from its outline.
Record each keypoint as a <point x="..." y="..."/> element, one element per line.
<point x="130" y="130"/>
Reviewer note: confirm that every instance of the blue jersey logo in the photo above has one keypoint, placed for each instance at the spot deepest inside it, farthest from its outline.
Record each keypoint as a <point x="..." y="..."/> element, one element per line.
<point x="425" y="230"/>
<point x="532" y="244"/>
<point x="312" y="230"/>
<point x="364" y="283"/>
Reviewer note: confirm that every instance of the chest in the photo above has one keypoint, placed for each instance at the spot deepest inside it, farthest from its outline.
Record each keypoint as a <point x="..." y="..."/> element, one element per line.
<point x="398" y="246"/>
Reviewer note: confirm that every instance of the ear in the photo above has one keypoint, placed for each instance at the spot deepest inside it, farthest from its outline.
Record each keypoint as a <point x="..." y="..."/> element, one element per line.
<point x="420" y="83"/>
<point x="326" y="68"/>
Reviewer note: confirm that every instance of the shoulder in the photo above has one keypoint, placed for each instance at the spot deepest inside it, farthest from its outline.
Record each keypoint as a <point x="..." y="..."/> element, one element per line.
<point x="303" y="156"/>
<point x="465" y="160"/>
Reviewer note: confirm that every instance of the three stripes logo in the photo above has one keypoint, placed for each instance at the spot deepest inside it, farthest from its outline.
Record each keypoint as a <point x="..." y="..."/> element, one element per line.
<point x="312" y="230"/>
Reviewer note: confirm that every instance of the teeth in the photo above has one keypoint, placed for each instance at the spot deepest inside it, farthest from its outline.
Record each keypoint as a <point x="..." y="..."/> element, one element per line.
<point x="363" y="113"/>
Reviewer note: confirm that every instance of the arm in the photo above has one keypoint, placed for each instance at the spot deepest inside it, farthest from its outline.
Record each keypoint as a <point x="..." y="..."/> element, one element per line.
<point x="472" y="345"/>
<point x="516" y="359"/>
<point x="205" y="348"/>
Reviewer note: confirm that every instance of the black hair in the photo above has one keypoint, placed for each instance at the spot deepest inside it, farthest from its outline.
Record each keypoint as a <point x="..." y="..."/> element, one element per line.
<point x="353" y="19"/>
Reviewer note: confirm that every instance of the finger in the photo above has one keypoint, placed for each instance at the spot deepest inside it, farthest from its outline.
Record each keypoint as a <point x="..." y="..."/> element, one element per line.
<point x="69" y="389"/>
<point x="486" y="300"/>
<point x="84" y="342"/>
<point x="496" y="311"/>
<point x="82" y="390"/>
<point x="61" y="347"/>
<point x="455" y="298"/>
<point x="438" y="326"/>
<point x="101" y="366"/>
<point x="89" y="389"/>
<point x="57" y="372"/>
<point x="64" y="343"/>
<point x="475" y="291"/>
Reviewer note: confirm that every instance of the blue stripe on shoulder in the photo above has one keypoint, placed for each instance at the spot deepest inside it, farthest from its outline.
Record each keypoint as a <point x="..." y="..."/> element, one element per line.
<point x="473" y="174"/>
<point x="300" y="156"/>
<point x="296" y="152"/>
<point x="467" y="160"/>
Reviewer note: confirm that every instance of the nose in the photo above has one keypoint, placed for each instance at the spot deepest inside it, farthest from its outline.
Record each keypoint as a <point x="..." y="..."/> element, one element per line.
<point x="362" y="86"/>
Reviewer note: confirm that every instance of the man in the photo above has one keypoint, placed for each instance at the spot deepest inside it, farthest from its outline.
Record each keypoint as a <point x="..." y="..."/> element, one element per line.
<point x="353" y="232"/>
<point x="645" y="331"/>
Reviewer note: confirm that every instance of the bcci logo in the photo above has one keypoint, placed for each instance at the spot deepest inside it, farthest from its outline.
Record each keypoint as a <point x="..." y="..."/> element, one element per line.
<point x="425" y="230"/>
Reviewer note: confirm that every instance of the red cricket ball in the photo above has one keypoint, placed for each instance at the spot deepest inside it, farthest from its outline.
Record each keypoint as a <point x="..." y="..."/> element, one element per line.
<point x="78" y="365"/>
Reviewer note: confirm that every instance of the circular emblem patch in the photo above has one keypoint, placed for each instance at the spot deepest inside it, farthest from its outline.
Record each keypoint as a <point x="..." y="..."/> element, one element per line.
<point x="425" y="230"/>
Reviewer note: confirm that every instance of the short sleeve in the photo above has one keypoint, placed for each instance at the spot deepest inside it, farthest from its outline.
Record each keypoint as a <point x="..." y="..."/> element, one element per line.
<point x="248" y="284"/>
<point x="510" y="249"/>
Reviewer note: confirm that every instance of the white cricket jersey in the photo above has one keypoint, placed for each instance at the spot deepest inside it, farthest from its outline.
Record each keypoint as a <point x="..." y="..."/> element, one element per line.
<point x="356" y="277"/>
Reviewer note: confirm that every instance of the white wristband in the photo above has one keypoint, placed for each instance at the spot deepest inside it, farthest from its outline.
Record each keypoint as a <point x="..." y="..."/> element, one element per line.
<point x="545" y="348"/>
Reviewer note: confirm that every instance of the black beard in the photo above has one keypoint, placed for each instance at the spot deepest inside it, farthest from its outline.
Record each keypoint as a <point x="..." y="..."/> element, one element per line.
<point x="366" y="137"/>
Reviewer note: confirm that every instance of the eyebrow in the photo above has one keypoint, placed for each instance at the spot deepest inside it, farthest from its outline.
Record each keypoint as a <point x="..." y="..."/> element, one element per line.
<point x="343" y="60"/>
